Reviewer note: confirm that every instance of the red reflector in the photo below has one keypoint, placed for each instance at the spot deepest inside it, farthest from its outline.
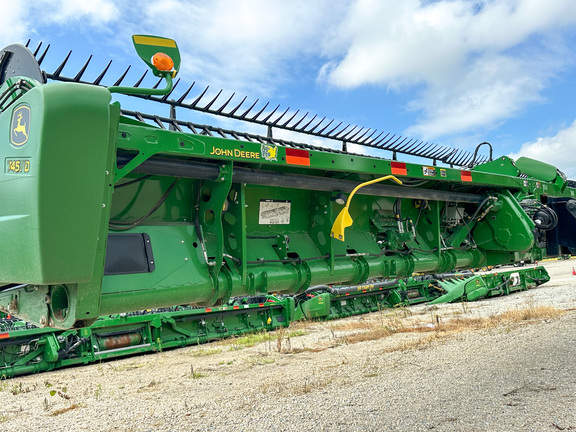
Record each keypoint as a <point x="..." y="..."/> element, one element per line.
<point x="466" y="176"/>
<point x="236" y="307"/>
<point x="398" y="168"/>
<point x="208" y="310"/>
<point x="261" y="304"/>
<point x="347" y="294"/>
<point x="297" y="157"/>
<point x="4" y="335"/>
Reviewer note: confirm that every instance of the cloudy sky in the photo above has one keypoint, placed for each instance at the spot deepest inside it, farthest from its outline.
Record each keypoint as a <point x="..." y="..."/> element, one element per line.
<point x="454" y="72"/>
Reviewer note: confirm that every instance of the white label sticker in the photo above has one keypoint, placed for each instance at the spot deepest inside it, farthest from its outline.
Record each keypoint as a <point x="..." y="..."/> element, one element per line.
<point x="274" y="212"/>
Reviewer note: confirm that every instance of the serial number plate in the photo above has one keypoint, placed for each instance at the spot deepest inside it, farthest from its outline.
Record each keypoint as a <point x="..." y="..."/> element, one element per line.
<point x="17" y="166"/>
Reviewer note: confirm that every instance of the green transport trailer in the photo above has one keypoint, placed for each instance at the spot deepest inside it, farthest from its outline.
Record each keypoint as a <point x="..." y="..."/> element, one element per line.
<point x="107" y="210"/>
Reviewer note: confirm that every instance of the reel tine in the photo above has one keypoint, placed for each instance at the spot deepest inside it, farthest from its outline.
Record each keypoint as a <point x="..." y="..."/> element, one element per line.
<point x="155" y="86"/>
<point x="345" y="136"/>
<point x="407" y="146"/>
<point x="317" y="124"/>
<point x="400" y="146"/>
<point x="447" y="154"/>
<point x="41" y="59"/>
<point x="119" y="80"/>
<point x="391" y="146"/>
<point x="308" y="124"/>
<point x="287" y="121"/>
<point x="167" y="95"/>
<point x="193" y="104"/>
<point x="329" y="134"/>
<point x="260" y="112"/>
<point x="280" y="117"/>
<point x="373" y="140"/>
<point x="382" y="142"/>
<point x="362" y="136"/>
<point x="335" y="136"/>
<point x="386" y="145"/>
<point x="37" y="48"/>
<point x="321" y="131"/>
<point x="439" y="152"/>
<point x="231" y="113"/>
<point x="101" y="76"/>
<point x="181" y="99"/>
<point x="466" y="158"/>
<point x="82" y="70"/>
<point x="243" y="116"/>
<point x="294" y="126"/>
<point x="411" y="149"/>
<point x="27" y="43"/>
<point x="219" y="110"/>
<point x="207" y="107"/>
<point x="58" y="70"/>
<point x="141" y="79"/>
<point x="272" y="113"/>
<point x="452" y="156"/>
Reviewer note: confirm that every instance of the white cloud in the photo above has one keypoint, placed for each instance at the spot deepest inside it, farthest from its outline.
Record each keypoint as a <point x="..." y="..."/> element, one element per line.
<point x="475" y="63"/>
<point x="14" y="27"/>
<point x="96" y="12"/>
<point x="250" y="46"/>
<point x="557" y="150"/>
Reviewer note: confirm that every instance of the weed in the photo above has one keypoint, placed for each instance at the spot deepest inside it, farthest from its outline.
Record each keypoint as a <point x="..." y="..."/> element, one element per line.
<point x="194" y="374"/>
<point x="250" y="340"/>
<point x="259" y="361"/>
<point x="307" y="385"/>
<point x="205" y="352"/>
<point x="394" y="323"/>
<point x="98" y="391"/>
<point x="63" y="410"/>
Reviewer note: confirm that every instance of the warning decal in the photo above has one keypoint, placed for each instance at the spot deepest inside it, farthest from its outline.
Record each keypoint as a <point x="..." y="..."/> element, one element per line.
<point x="273" y="212"/>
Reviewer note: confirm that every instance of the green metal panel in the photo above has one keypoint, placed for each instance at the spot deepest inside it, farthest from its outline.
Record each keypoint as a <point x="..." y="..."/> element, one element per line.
<point x="52" y="208"/>
<point x="538" y="170"/>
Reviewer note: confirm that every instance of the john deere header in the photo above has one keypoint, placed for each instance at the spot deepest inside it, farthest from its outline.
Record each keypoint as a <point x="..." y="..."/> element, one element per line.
<point x="106" y="210"/>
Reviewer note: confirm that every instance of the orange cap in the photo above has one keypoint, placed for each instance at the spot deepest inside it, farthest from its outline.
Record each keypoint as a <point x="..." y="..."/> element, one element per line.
<point x="162" y="62"/>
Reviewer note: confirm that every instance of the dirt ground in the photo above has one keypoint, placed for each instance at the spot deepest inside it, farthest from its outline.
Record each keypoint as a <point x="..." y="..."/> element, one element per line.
<point x="503" y="364"/>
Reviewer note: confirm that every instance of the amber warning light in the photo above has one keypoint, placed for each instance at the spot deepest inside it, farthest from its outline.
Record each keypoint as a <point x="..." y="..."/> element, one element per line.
<point x="162" y="62"/>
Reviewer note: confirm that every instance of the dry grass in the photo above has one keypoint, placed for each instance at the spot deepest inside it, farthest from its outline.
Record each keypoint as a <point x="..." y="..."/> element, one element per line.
<point x="63" y="410"/>
<point x="373" y="330"/>
<point x="307" y="384"/>
<point x="203" y="352"/>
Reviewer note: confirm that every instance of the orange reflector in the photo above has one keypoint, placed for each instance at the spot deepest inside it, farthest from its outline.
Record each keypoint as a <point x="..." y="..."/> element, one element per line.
<point x="466" y="176"/>
<point x="398" y="168"/>
<point x="4" y="335"/>
<point x="162" y="62"/>
<point x="208" y="310"/>
<point x="236" y="307"/>
<point x="297" y="157"/>
<point x="261" y="304"/>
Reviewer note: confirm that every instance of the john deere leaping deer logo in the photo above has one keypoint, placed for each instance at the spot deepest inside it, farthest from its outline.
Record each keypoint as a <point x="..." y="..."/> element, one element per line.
<point x="20" y="126"/>
<point x="270" y="153"/>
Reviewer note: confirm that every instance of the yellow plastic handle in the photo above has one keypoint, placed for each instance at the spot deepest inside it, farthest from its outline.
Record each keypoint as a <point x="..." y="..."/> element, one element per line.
<point x="344" y="220"/>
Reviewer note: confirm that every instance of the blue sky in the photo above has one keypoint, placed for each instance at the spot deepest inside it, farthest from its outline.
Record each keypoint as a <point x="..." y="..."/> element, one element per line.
<point x="454" y="72"/>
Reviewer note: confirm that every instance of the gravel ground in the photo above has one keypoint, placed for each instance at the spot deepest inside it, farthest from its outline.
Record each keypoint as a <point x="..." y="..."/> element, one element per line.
<point x="495" y="377"/>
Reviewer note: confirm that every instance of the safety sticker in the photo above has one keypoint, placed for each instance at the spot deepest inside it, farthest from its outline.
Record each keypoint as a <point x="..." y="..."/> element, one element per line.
<point x="429" y="171"/>
<point x="274" y="212"/>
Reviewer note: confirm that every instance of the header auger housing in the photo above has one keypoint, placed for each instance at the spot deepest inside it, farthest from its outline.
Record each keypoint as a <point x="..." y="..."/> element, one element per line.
<point x="106" y="210"/>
